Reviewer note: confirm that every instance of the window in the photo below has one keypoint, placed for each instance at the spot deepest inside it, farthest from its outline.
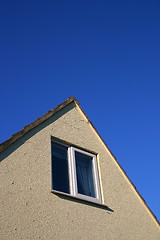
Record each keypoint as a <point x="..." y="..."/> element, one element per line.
<point x="74" y="172"/>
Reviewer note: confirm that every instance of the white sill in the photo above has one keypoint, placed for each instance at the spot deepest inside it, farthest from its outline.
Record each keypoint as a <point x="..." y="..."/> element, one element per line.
<point x="100" y="205"/>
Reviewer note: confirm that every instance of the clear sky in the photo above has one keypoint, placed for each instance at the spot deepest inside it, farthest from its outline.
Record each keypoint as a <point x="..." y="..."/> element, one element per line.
<point x="104" y="53"/>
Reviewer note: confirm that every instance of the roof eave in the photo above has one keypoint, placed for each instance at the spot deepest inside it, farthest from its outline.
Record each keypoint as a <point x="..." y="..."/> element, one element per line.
<point x="38" y="121"/>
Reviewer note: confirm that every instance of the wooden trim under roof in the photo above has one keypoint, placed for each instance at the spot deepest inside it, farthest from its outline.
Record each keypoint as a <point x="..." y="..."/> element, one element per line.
<point x="49" y="114"/>
<point x="40" y="120"/>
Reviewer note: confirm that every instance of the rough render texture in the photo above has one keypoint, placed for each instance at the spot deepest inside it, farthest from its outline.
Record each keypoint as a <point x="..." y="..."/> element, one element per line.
<point x="30" y="211"/>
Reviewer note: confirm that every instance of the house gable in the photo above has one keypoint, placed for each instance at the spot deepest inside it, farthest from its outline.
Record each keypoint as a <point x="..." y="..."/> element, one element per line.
<point x="29" y="209"/>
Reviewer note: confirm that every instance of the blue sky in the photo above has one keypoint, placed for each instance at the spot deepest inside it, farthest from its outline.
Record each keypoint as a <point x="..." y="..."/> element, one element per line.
<point x="107" y="55"/>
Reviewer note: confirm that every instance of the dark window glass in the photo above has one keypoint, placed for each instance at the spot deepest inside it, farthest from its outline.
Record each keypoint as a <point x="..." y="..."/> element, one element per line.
<point x="60" y="175"/>
<point x="84" y="171"/>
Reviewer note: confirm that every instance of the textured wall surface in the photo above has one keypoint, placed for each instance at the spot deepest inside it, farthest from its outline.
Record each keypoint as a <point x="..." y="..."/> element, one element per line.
<point x="30" y="211"/>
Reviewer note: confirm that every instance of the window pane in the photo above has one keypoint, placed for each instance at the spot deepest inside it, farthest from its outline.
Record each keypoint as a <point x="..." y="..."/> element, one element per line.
<point x="84" y="171"/>
<point x="60" y="175"/>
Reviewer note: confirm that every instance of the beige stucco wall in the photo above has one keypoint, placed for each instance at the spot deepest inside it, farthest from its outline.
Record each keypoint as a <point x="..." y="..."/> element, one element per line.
<point x="30" y="211"/>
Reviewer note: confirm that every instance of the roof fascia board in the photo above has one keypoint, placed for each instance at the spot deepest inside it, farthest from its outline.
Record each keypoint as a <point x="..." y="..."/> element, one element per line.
<point x="38" y="121"/>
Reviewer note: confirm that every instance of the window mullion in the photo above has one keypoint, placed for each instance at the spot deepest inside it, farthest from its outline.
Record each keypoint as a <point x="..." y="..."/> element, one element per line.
<point x="70" y="170"/>
<point x="74" y="177"/>
<point x="96" y="177"/>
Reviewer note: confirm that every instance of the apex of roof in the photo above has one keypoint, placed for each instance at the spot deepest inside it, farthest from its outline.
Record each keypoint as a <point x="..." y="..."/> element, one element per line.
<point x="38" y="121"/>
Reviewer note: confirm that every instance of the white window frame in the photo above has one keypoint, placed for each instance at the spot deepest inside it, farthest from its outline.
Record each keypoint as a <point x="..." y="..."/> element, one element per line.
<point x="73" y="176"/>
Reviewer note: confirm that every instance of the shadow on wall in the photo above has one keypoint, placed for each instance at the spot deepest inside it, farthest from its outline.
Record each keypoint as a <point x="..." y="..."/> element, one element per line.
<point x="81" y="201"/>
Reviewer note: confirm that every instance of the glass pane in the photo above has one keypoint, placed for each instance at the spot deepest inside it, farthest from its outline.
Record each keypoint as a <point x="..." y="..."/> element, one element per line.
<point x="60" y="175"/>
<point x="84" y="171"/>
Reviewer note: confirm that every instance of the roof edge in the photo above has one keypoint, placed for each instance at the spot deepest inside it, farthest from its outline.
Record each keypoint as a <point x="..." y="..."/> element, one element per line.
<point x="4" y="145"/>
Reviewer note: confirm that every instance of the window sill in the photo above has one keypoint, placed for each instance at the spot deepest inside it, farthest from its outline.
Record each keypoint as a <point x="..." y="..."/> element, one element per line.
<point x="80" y="200"/>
